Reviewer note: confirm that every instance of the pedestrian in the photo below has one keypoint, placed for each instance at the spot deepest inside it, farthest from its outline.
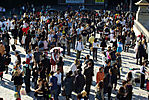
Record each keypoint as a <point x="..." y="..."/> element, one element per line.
<point x="79" y="47"/>
<point x="127" y="43"/>
<point x="114" y="75"/>
<point x="54" y="59"/>
<point x="89" y="73"/>
<point x="108" y="67"/>
<point x="2" y="49"/>
<point x="119" y="46"/>
<point x="79" y="82"/>
<point x="68" y="85"/>
<point x="74" y="66"/>
<point x="63" y="42"/>
<point x="103" y="44"/>
<point x="121" y="94"/>
<point x="91" y="41"/>
<point x="60" y="65"/>
<point x="108" y="80"/>
<point x="100" y="75"/>
<point x="59" y="81"/>
<point x="46" y="90"/>
<point x="100" y="90"/>
<point x="140" y="52"/>
<point x="95" y="48"/>
<point x="142" y="78"/>
<point x="68" y="44"/>
<point x="18" y="56"/>
<point x="54" y="86"/>
<point x="7" y="58"/>
<point x="17" y="78"/>
<point x="39" y="91"/>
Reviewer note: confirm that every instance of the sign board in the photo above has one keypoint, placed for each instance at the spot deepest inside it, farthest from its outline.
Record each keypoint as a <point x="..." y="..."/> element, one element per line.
<point x="99" y="1"/>
<point x="74" y="1"/>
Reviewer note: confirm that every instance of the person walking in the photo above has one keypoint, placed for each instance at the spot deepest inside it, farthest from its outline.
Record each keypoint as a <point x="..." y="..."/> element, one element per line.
<point x="63" y="42"/>
<point x="54" y="86"/>
<point x="100" y="75"/>
<point x="79" y="47"/>
<point x="108" y="80"/>
<point x="100" y="90"/>
<point x="79" y="82"/>
<point x="95" y="48"/>
<point x="91" y="41"/>
<point x="59" y="81"/>
<point x="68" y="85"/>
<point x="2" y="48"/>
<point x="89" y="73"/>
<point x="142" y="78"/>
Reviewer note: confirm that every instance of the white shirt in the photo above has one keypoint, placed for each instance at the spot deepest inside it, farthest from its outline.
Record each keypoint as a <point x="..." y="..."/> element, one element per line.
<point x="78" y="31"/>
<point x="59" y="76"/>
<point x="79" y="46"/>
<point x="111" y="37"/>
<point x="73" y="67"/>
<point x="50" y="36"/>
<point x="95" y="45"/>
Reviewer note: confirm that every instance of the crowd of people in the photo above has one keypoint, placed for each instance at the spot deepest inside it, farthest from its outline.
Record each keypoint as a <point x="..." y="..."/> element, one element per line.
<point x="48" y="36"/>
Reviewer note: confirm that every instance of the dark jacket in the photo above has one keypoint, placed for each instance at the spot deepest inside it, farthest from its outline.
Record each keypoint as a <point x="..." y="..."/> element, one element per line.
<point x="68" y="84"/>
<point x="141" y="51"/>
<point x="79" y="83"/>
<point x="89" y="72"/>
<point x="108" y="81"/>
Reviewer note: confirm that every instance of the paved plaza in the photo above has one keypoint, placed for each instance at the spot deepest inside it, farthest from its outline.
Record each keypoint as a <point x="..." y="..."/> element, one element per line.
<point x="128" y="61"/>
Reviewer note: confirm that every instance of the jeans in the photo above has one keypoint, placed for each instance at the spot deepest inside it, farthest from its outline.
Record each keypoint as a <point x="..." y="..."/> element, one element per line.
<point x="59" y="89"/>
<point x="17" y="89"/>
<point x="39" y="98"/>
<point x="54" y="93"/>
<point x="63" y="50"/>
<point x="94" y="53"/>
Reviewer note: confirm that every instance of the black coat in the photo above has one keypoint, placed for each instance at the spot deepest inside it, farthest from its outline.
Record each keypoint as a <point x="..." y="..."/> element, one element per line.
<point x="141" y="51"/>
<point x="89" y="72"/>
<point x="2" y="66"/>
<point x="107" y="82"/>
<point x="69" y="85"/>
<point x="79" y="83"/>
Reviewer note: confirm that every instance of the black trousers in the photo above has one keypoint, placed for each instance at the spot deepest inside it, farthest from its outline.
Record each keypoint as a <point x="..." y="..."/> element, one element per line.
<point x="27" y="83"/>
<point x="109" y="93"/>
<point x="88" y="86"/>
<point x="78" y="54"/>
<point x="142" y="81"/>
